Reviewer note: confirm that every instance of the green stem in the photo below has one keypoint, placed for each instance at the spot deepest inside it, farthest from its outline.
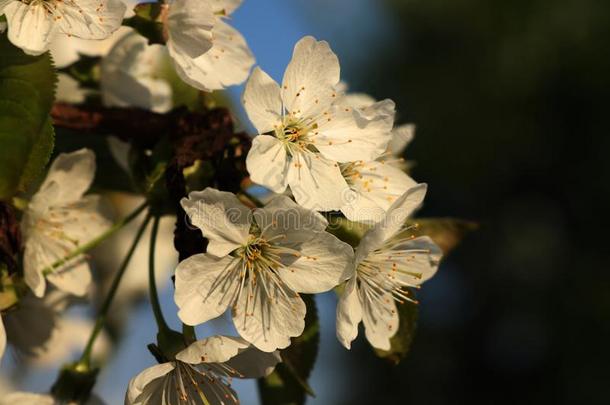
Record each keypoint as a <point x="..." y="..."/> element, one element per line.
<point x="85" y="359"/>
<point x="154" y="296"/>
<point x="94" y="242"/>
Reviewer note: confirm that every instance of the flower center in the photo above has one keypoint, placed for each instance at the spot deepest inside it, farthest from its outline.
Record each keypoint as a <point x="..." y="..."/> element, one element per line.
<point x="253" y="252"/>
<point x="190" y="379"/>
<point x="49" y="5"/>
<point x="350" y="172"/>
<point x="390" y="270"/>
<point x="297" y="134"/>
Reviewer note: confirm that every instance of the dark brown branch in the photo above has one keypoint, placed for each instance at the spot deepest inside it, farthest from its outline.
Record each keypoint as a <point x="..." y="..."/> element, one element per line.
<point x="208" y="137"/>
<point x="146" y="127"/>
<point x="10" y="236"/>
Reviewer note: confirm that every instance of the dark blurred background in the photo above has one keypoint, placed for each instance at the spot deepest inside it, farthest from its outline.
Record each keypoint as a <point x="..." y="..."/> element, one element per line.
<point x="511" y="105"/>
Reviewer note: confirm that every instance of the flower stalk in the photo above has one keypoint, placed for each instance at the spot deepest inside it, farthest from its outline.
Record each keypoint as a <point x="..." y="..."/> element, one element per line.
<point x="85" y="359"/>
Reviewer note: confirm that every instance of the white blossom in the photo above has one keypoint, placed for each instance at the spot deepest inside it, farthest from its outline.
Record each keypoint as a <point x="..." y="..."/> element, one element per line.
<point x="131" y="75"/>
<point x="58" y="220"/>
<point x="256" y="264"/>
<point x="67" y="50"/>
<point x="374" y="185"/>
<point x="402" y="135"/>
<point x="387" y="261"/>
<point x="2" y="338"/>
<point x="207" y="52"/>
<point x="305" y="133"/>
<point x="201" y="374"/>
<point x="32" y="24"/>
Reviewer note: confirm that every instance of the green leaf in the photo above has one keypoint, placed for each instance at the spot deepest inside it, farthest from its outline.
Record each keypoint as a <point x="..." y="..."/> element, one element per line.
<point x="39" y="155"/>
<point x="27" y="86"/>
<point x="35" y="70"/>
<point x="288" y="385"/>
<point x="17" y="132"/>
<point x="447" y="233"/>
<point x="147" y="21"/>
<point x="401" y="341"/>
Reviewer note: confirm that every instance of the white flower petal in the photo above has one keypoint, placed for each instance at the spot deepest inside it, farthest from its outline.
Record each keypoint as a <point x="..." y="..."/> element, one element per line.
<point x="223" y="219"/>
<point x="40" y="252"/>
<point x="282" y="216"/>
<point x="4" y="3"/>
<point x="310" y="78"/>
<point x="395" y="218"/>
<point x="344" y="136"/>
<point x="2" y="339"/>
<point x="214" y="349"/>
<point x="379" y="109"/>
<point x="83" y="220"/>
<point x="349" y="314"/>
<point x="254" y="363"/>
<point x="139" y="390"/>
<point x="226" y="7"/>
<point x="30" y="26"/>
<point x="205" y="287"/>
<point x="380" y="320"/>
<point x="90" y="19"/>
<point x="376" y="186"/>
<point x="69" y="177"/>
<point x="422" y="262"/>
<point x="65" y="49"/>
<point x="267" y="163"/>
<point x="355" y="100"/>
<point x="268" y="322"/>
<point x="359" y="207"/>
<point x="130" y="75"/>
<point x="189" y="25"/>
<point x="262" y="101"/>
<point x="227" y="63"/>
<point x="324" y="263"/>
<point x="73" y="278"/>
<point x="401" y="138"/>
<point x="68" y="90"/>
<point x="316" y="182"/>
<point x="67" y="227"/>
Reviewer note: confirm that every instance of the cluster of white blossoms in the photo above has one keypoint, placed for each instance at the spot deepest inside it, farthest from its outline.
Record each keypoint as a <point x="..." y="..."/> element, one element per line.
<point x="318" y="148"/>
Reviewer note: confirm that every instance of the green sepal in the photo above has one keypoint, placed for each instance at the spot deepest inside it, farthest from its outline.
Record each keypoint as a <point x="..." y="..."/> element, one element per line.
<point x="148" y="21"/>
<point x="74" y="384"/>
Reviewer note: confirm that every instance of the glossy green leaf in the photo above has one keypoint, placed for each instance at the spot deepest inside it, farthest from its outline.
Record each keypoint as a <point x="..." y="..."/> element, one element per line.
<point x="36" y="70"/>
<point x="288" y="385"/>
<point x="39" y="155"/>
<point x="27" y="86"/>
